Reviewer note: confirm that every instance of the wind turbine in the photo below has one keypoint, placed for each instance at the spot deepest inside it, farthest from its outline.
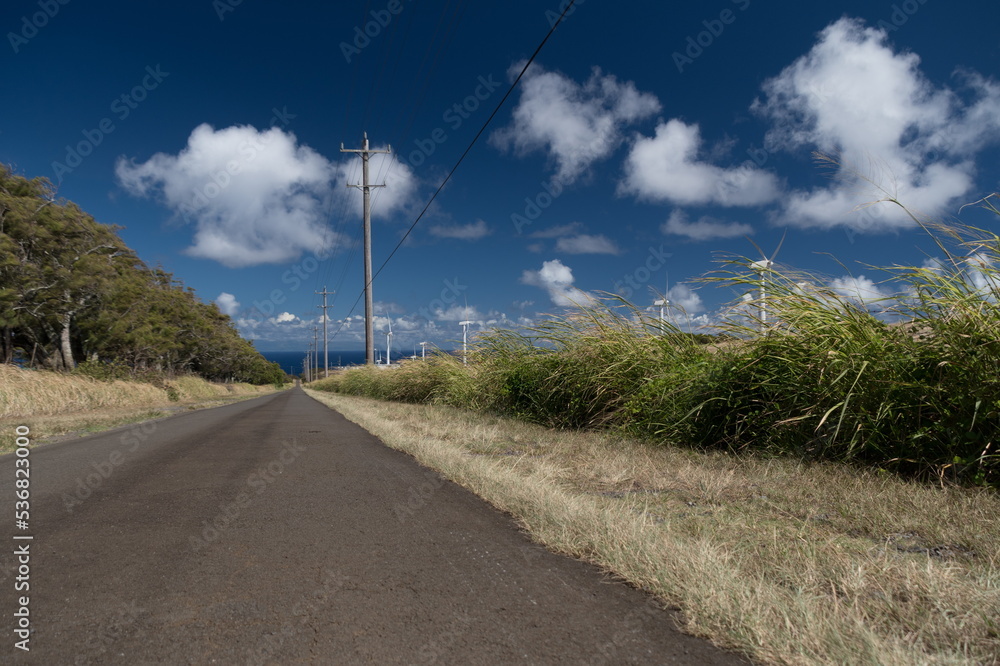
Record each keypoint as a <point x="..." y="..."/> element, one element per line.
<point x="465" y="340"/>
<point x="762" y="267"/>
<point x="388" y="342"/>
<point x="423" y="350"/>
<point x="663" y="302"/>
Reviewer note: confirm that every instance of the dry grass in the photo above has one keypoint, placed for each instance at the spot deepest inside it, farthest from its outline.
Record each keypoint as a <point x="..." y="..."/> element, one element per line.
<point x="25" y="393"/>
<point x="789" y="563"/>
<point x="31" y="393"/>
<point x="54" y="405"/>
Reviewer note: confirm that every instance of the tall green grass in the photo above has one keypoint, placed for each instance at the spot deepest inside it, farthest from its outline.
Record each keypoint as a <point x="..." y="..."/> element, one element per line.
<point x="909" y="386"/>
<point x="441" y="379"/>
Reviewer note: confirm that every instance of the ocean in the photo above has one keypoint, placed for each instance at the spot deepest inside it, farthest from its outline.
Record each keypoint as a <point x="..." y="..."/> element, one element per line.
<point x="292" y="361"/>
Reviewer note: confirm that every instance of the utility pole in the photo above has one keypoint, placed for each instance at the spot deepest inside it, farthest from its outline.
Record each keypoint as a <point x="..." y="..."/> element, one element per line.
<point x="326" y="357"/>
<point x="316" y="347"/>
<point x="366" y="188"/>
<point x="305" y="368"/>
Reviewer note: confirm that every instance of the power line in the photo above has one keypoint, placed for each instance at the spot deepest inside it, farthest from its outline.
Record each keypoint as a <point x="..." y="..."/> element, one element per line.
<point x="421" y="82"/>
<point x="464" y="154"/>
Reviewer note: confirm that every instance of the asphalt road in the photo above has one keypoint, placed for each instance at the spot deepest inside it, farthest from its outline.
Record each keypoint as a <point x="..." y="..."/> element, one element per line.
<point x="275" y="531"/>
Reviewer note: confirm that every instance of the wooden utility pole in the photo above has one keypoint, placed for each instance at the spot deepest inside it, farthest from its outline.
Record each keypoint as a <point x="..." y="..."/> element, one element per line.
<point x="316" y="347"/>
<point x="326" y="357"/>
<point x="366" y="188"/>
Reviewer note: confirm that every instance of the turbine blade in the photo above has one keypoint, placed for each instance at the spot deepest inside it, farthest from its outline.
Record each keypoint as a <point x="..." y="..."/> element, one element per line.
<point x="762" y="255"/>
<point x="780" y="243"/>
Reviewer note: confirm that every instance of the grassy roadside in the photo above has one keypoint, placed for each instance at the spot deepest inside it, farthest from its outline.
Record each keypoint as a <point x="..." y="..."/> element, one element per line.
<point x="57" y="406"/>
<point x="901" y="378"/>
<point x="787" y="562"/>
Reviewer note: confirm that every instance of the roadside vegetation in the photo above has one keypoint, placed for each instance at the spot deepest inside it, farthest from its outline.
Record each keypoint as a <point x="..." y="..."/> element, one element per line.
<point x="54" y="404"/>
<point x="909" y="386"/>
<point x="72" y="291"/>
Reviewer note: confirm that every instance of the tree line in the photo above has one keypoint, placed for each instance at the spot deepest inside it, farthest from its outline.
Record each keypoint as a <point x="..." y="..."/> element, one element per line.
<point x="72" y="292"/>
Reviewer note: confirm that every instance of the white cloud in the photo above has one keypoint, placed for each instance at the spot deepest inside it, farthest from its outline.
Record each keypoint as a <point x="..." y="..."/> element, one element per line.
<point x="439" y="327"/>
<point x="398" y="195"/>
<point x="405" y="325"/>
<point x="277" y="328"/>
<point x="571" y="241"/>
<point x="682" y="304"/>
<point x="473" y="231"/>
<point x="587" y="244"/>
<point x="684" y="299"/>
<point x="935" y="264"/>
<point x="557" y="231"/>
<point x="228" y="304"/>
<point x="386" y="307"/>
<point x="577" y="124"/>
<point x="854" y="97"/>
<point x="982" y="271"/>
<point x="459" y="313"/>
<point x="860" y="290"/>
<point x="706" y="228"/>
<point x="557" y="280"/>
<point x="256" y="197"/>
<point x="667" y="167"/>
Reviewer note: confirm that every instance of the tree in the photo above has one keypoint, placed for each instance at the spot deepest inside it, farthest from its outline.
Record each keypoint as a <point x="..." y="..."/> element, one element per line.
<point x="71" y="289"/>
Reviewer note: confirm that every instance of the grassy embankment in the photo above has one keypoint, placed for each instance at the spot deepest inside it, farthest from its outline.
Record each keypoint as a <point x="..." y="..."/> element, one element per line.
<point x="824" y="379"/>
<point x="54" y="404"/>
<point x="806" y="492"/>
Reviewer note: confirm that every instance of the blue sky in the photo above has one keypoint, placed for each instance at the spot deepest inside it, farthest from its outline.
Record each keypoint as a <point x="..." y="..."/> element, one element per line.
<point x="640" y="147"/>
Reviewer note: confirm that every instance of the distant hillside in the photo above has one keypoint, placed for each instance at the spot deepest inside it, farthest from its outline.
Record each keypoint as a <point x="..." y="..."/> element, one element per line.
<point x="71" y="291"/>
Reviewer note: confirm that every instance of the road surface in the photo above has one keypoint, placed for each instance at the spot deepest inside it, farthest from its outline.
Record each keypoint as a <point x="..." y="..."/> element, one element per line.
<point x="275" y="531"/>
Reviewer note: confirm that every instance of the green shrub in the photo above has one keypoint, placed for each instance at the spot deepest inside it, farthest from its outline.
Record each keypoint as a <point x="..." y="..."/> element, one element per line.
<point x="105" y="371"/>
<point x="823" y="378"/>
